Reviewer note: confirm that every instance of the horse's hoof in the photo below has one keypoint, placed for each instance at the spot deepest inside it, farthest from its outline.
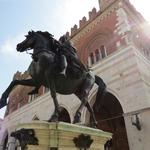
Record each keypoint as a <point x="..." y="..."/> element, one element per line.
<point x="94" y="125"/>
<point x="3" y="102"/>
<point x="77" y="118"/>
<point x="76" y="121"/>
<point x="62" y="76"/>
<point x="54" y="118"/>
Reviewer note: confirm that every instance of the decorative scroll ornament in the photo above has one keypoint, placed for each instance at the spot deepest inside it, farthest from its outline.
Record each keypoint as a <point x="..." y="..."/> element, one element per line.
<point x="83" y="141"/>
<point x="25" y="137"/>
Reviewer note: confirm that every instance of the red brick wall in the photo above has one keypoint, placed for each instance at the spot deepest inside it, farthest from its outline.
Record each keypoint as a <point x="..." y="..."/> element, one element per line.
<point x="101" y="34"/>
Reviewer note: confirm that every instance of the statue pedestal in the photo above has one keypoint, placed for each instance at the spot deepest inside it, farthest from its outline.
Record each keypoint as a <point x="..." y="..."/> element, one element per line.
<point x="65" y="136"/>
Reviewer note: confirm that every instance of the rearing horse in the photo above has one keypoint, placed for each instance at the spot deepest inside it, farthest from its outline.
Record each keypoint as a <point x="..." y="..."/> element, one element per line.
<point x="44" y="72"/>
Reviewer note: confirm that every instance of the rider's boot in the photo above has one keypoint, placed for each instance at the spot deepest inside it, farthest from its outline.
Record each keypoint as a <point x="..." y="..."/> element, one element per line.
<point x="63" y="65"/>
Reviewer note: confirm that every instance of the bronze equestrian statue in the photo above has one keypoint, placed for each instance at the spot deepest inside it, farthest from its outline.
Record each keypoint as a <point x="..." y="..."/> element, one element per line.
<point x="56" y="66"/>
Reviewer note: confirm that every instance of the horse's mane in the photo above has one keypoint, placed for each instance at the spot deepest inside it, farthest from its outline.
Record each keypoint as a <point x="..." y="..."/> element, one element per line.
<point x="52" y="41"/>
<point x="46" y="34"/>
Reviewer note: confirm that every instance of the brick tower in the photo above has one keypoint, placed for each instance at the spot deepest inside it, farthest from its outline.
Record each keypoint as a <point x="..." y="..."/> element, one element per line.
<point x="103" y="4"/>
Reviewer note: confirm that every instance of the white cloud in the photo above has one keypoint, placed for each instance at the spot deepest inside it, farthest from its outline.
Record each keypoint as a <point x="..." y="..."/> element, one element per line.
<point x="142" y="7"/>
<point x="72" y="11"/>
<point x="8" y="47"/>
<point x="9" y="53"/>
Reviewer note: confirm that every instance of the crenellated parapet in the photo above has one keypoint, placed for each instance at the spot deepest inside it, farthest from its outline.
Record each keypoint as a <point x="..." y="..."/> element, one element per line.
<point x="83" y="22"/>
<point x="92" y="14"/>
<point x="74" y="29"/>
<point x="19" y="76"/>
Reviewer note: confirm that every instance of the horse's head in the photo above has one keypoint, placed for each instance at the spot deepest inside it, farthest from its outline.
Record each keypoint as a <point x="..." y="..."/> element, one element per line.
<point x="37" y="40"/>
<point x="28" y="43"/>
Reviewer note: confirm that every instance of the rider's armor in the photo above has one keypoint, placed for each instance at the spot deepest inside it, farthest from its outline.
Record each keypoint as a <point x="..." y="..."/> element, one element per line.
<point x="67" y="53"/>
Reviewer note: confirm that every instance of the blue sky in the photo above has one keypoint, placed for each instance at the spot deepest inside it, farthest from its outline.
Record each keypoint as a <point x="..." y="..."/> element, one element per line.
<point x="57" y="16"/>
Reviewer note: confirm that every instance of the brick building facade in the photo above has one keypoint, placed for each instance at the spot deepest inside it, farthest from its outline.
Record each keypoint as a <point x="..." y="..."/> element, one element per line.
<point x="113" y="42"/>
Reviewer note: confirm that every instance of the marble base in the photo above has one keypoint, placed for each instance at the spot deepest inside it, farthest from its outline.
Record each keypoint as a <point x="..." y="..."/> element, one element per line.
<point x="60" y="136"/>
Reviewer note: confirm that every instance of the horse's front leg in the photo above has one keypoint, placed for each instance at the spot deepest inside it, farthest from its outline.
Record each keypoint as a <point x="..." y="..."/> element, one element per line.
<point x="55" y="115"/>
<point x="28" y="82"/>
<point x="77" y="116"/>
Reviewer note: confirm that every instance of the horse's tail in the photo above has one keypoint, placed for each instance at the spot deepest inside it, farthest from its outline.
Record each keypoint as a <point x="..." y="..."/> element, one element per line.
<point x="101" y="92"/>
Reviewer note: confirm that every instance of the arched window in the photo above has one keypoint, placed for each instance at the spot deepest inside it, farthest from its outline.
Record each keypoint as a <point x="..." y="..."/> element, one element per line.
<point x="97" y="55"/>
<point x="35" y="118"/>
<point x="64" y="115"/>
<point x="103" y="51"/>
<point x="109" y="114"/>
<point x="92" y="58"/>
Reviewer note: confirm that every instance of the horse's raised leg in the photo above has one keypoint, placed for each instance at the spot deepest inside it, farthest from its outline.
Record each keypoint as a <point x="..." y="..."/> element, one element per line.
<point x="90" y="109"/>
<point x="83" y="96"/>
<point x="55" y="115"/>
<point x="28" y="82"/>
<point x="77" y="116"/>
